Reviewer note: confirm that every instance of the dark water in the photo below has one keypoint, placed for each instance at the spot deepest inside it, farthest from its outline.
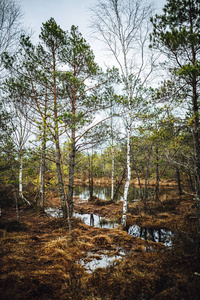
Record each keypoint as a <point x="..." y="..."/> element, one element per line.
<point x="103" y="260"/>
<point x="105" y="192"/>
<point x="101" y="192"/>
<point x="88" y="219"/>
<point x="161" y="235"/>
<point x="95" y="220"/>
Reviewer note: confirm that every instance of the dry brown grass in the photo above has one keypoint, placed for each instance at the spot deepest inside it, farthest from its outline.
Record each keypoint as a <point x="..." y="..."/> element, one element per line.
<point x="43" y="263"/>
<point x="102" y="240"/>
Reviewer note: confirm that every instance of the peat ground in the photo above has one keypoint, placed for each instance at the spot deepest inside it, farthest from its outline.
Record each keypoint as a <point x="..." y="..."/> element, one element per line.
<point x="40" y="261"/>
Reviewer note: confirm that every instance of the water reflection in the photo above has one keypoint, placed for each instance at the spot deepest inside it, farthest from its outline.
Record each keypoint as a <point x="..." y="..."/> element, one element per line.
<point x="105" y="192"/>
<point x="54" y="212"/>
<point x="100" y="261"/>
<point x="91" y="220"/>
<point x="95" y="220"/>
<point x="161" y="235"/>
<point x="88" y="219"/>
<point x="101" y="192"/>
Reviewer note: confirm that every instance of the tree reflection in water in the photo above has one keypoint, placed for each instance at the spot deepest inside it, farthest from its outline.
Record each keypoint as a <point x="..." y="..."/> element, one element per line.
<point x="161" y="235"/>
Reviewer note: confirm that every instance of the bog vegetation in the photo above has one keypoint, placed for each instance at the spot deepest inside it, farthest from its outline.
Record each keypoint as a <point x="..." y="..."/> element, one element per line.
<point x="65" y="122"/>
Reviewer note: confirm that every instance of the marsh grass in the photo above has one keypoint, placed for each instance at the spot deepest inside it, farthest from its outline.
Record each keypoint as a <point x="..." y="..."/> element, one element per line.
<point x="100" y="202"/>
<point x="104" y="221"/>
<point x="102" y="240"/>
<point x="43" y="263"/>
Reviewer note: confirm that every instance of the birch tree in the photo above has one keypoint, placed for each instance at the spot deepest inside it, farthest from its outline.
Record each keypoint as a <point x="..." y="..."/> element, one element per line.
<point x="21" y="134"/>
<point x="10" y="28"/>
<point x="124" y="25"/>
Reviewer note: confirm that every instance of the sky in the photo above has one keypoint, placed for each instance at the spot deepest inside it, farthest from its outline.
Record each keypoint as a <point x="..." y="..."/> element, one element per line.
<point x="66" y="13"/>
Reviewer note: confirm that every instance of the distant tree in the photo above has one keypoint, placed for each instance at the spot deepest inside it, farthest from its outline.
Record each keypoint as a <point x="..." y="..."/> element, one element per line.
<point x="7" y="152"/>
<point x="176" y="34"/>
<point x="10" y="28"/>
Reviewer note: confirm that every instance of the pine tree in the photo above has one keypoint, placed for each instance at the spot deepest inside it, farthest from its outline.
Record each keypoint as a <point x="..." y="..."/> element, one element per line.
<point x="177" y="34"/>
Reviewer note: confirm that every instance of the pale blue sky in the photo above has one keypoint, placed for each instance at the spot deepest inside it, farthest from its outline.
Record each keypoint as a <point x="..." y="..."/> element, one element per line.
<point x="66" y="13"/>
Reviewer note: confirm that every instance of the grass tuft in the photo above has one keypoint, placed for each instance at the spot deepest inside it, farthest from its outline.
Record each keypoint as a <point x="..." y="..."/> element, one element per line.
<point x="102" y="240"/>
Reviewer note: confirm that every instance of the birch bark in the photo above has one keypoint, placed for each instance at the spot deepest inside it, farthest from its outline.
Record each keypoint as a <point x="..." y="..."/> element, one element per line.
<point x="112" y="157"/>
<point x="123" y="26"/>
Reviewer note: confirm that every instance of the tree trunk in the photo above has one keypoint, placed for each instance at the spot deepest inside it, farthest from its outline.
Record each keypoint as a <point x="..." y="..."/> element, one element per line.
<point x="65" y="208"/>
<point x="196" y="151"/>
<point x="119" y="185"/>
<point x="146" y="187"/>
<point x="91" y="186"/>
<point x="179" y="180"/>
<point x="42" y="183"/>
<point x="128" y="162"/>
<point x="146" y="193"/>
<point x="190" y="180"/>
<point x="139" y="182"/>
<point x="157" y="174"/>
<point x="195" y="127"/>
<point x="71" y="172"/>
<point x="112" y="172"/>
<point x="128" y="178"/>
<point x="56" y="139"/>
<point x="20" y="180"/>
<point x="16" y="204"/>
<point x="43" y="164"/>
<point x="112" y="156"/>
<point x="20" y="176"/>
<point x="60" y="179"/>
<point x="43" y="167"/>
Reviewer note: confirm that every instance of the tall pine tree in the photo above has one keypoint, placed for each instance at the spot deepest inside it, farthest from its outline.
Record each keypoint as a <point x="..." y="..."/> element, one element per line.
<point x="177" y="34"/>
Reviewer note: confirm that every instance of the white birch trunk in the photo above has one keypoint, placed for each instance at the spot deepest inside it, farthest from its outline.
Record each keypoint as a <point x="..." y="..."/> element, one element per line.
<point x="128" y="178"/>
<point x="42" y="183"/>
<point x="128" y="165"/>
<point x="112" y="173"/>
<point x="20" y="176"/>
<point x="21" y="181"/>
<point x="40" y="180"/>
<point x="16" y="205"/>
<point x="112" y="158"/>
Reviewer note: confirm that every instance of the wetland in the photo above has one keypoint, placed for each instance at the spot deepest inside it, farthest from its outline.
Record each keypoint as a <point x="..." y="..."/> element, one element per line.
<point x="156" y="257"/>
